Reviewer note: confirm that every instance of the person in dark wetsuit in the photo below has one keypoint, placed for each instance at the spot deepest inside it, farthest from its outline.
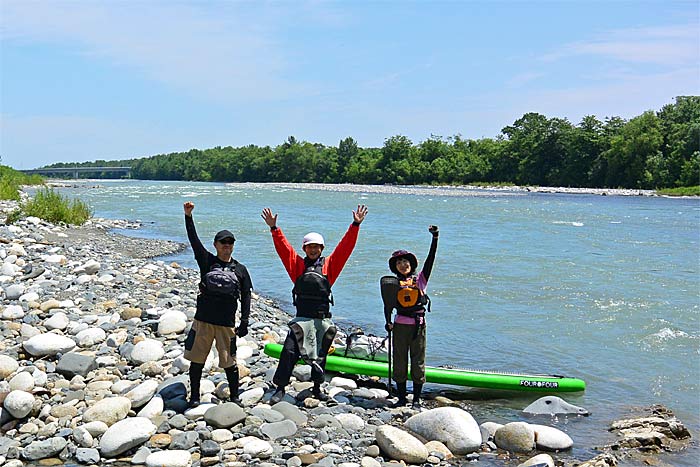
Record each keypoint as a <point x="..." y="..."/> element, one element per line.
<point x="311" y="332"/>
<point x="409" y="333"/>
<point x="223" y="282"/>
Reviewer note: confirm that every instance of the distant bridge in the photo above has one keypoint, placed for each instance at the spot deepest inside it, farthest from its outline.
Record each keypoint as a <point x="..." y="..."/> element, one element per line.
<point x="77" y="171"/>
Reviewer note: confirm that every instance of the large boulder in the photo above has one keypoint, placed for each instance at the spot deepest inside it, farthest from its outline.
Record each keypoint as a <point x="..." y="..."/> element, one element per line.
<point x="126" y="434"/>
<point x="453" y="426"/>
<point x="400" y="445"/>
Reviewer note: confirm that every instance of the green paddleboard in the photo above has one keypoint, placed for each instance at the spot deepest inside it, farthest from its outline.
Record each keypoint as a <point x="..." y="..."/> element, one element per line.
<point x="455" y="376"/>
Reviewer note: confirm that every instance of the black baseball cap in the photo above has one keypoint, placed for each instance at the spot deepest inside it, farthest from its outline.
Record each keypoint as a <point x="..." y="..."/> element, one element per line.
<point x="223" y="235"/>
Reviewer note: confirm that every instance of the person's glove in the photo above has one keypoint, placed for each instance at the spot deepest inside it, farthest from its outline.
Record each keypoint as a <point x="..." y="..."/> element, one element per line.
<point x="242" y="329"/>
<point x="433" y="229"/>
<point x="388" y="327"/>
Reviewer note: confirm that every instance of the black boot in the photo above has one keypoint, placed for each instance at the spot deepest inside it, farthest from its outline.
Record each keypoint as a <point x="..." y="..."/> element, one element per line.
<point x="278" y="395"/>
<point x="195" y="380"/>
<point x="417" y="389"/>
<point x="401" y="392"/>
<point x="316" y="392"/>
<point x="232" y="377"/>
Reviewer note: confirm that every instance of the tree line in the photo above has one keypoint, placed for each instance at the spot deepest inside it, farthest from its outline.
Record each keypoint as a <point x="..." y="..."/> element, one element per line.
<point x="657" y="149"/>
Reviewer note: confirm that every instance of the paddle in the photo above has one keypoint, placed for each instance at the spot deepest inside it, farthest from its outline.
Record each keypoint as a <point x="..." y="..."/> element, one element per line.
<point x="389" y="286"/>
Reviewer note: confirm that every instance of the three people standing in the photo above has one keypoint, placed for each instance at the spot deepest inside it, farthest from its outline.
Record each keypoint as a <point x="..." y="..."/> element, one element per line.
<point x="225" y="281"/>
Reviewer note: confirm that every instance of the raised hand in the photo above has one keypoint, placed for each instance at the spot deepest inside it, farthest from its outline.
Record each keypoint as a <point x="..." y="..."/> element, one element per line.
<point x="359" y="215"/>
<point x="433" y="229"/>
<point x="269" y="218"/>
<point x="188" y="207"/>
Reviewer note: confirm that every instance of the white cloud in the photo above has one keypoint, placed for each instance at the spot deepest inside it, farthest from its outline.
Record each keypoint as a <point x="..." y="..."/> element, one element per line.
<point x="670" y="45"/>
<point x="192" y="48"/>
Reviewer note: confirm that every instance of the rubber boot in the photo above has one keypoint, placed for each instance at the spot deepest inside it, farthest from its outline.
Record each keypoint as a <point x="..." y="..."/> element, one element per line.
<point x="232" y="377"/>
<point x="195" y="380"/>
<point x="401" y="392"/>
<point x="278" y="395"/>
<point x="417" y="389"/>
<point x="317" y="393"/>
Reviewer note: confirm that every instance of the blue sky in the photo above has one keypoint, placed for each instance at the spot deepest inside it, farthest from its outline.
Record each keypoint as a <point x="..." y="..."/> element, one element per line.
<point x="85" y="80"/>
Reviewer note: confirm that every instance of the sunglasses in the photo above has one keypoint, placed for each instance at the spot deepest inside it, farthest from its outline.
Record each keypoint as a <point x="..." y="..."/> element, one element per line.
<point x="226" y="241"/>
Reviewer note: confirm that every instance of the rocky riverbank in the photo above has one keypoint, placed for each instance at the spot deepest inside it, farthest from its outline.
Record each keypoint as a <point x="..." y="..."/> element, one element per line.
<point x="91" y="372"/>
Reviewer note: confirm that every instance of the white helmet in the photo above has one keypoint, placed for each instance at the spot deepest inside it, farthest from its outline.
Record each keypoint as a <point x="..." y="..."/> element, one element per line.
<point x="312" y="237"/>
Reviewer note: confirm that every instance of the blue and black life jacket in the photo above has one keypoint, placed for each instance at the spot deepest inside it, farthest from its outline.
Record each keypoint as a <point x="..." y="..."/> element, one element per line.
<point x="312" y="294"/>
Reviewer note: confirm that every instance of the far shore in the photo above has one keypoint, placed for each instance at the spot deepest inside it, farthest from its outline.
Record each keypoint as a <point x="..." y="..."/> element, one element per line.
<point x="445" y="190"/>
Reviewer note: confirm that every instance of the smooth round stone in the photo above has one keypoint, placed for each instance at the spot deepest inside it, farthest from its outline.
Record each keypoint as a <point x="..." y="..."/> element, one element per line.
<point x="220" y="435"/>
<point x="48" y="344"/>
<point x="13" y="312"/>
<point x="148" y="350"/>
<point x="13" y="292"/>
<point x="8" y="365"/>
<point x="58" y="320"/>
<point x="109" y="410"/>
<point x="43" y="449"/>
<point x="90" y="337"/>
<point x="172" y="322"/>
<point x="19" y="403"/>
<point x="258" y="448"/>
<point x="142" y="393"/>
<point x="173" y="458"/>
<point x="344" y="383"/>
<point x="153" y="409"/>
<point x="515" y="437"/>
<point x="350" y="421"/>
<point x="22" y="381"/>
<point x="401" y="445"/>
<point x="126" y="434"/>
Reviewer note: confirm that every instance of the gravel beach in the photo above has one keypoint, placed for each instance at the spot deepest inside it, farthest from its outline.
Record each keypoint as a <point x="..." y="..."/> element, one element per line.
<point x="91" y="363"/>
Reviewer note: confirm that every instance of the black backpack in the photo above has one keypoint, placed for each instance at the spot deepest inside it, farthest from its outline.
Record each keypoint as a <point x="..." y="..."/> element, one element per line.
<point x="222" y="281"/>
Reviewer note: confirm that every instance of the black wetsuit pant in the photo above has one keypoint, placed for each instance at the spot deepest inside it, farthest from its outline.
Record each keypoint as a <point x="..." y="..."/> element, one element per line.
<point x="288" y="358"/>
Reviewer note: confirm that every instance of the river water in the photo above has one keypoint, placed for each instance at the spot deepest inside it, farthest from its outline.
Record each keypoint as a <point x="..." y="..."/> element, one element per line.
<point x="603" y="288"/>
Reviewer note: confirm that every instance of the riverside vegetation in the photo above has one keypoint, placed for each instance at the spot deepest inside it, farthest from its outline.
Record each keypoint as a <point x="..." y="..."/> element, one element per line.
<point x="91" y="355"/>
<point x="46" y="203"/>
<point x="654" y="150"/>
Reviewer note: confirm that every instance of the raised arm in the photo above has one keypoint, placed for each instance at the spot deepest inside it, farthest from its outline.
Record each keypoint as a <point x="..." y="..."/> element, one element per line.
<point x="428" y="264"/>
<point x="199" y="251"/>
<point x="293" y="263"/>
<point x="336" y="260"/>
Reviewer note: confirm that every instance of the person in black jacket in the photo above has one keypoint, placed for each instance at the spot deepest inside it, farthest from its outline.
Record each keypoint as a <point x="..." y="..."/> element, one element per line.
<point x="223" y="282"/>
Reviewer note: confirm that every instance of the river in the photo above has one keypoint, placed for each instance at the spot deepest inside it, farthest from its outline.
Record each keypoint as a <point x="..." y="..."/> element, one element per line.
<point x="603" y="288"/>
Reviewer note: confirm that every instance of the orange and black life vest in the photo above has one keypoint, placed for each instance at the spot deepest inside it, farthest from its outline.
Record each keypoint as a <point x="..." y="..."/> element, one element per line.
<point x="409" y="298"/>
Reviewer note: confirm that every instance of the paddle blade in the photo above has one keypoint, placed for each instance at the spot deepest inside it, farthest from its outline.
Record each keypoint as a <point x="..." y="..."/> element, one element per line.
<point x="389" y="286"/>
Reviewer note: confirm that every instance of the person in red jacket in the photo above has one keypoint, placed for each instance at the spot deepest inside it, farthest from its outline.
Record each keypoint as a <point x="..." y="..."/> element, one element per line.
<point x="311" y="332"/>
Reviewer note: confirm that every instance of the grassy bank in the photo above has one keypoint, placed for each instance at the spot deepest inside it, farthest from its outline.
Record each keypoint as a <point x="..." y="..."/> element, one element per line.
<point x="46" y="204"/>
<point x="682" y="191"/>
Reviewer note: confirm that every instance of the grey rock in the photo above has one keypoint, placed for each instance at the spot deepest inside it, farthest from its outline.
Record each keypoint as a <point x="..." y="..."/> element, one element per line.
<point x="74" y="363"/>
<point x="276" y="430"/>
<point x="184" y="440"/>
<point x="225" y="415"/>
<point x="291" y="412"/>
<point x="553" y="405"/>
<point x="87" y="455"/>
<point x="42" y="449"/>
<point x="515" y="437"/>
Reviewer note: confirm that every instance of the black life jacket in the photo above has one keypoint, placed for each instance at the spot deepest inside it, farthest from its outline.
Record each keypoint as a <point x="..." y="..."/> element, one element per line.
<point x="312" y="294"/>
<point x="409" y="298"/>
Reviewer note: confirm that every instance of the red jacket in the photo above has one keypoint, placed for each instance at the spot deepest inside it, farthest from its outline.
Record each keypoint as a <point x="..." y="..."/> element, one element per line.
<point x="294" y="263"/>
